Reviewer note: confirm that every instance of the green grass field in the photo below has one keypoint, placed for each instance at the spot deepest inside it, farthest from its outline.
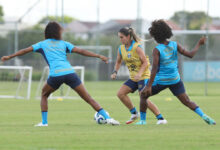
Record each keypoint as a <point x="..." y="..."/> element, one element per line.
<point x="71" y="124"/>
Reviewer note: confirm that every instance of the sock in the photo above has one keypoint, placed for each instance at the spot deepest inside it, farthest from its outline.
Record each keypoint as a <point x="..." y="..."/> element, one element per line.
<point x="133" y="111"/>
<point x="199" y="111"/>
<point x="160" y="117"/>
<point x="44" y="117"/>
<point x="104" y="114"/>
<point x="143" y="115"/>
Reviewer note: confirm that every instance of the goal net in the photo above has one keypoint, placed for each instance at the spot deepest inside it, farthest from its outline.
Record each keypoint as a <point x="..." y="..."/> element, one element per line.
<point x="64" y="92"/>
<point x="15" y="82"/>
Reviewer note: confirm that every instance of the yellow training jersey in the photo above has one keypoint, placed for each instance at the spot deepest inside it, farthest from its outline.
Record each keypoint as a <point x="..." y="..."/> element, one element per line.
<point x="132" y="60"/>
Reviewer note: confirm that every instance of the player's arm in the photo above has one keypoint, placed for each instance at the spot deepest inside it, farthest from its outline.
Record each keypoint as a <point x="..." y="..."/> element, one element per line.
<point x="192" y="53"/>
<point x="117" y="66"/>
<point x="89" y="54"/>
<point x="144" y="64"/>
<point x="18" y="53"/>
<point x="156" y="57"/>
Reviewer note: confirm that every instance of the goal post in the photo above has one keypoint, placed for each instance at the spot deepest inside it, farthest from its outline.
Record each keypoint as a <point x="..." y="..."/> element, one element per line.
<point x="15" y="82"/>
<point x="64" y="92"/>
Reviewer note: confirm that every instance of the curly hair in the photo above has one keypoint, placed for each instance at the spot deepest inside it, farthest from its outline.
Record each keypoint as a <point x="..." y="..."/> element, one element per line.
<point x="52" y="31"/>
<point x="160" y="31"/>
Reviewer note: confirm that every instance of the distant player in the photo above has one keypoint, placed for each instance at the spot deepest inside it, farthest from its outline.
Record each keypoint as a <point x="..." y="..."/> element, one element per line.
<point x="54" y="51"/>
<point x="165" y="68"/>
<point x="138" y="64"/>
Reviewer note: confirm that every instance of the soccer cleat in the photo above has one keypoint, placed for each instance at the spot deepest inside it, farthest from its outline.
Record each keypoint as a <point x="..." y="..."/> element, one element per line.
<point x="112" y="121"/>
<point x="141" y="122"/>
<point x="133" y="118"/>
<point x="208" y="120"/>
<point x="41" y="125"/>
<point x="164" y="121"/>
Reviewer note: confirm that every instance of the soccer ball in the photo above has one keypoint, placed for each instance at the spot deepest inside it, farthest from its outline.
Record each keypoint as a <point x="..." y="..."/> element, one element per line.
<point x="99" y="118"/>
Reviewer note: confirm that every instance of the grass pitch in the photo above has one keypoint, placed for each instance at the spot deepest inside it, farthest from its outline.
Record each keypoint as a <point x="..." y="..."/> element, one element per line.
<point x="71" y="124"/>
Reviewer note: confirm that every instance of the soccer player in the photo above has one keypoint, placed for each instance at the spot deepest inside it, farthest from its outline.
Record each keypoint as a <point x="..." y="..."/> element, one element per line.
<point x="54" y="51"/>
<point x="138" y="64"/>
<point x="165" y="73"/>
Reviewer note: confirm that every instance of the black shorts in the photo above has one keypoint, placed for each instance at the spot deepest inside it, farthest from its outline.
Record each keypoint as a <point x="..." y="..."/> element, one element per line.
<point x="136" y="85"/>
<point x="71" y="80"/>
<point x="176" y="89"/>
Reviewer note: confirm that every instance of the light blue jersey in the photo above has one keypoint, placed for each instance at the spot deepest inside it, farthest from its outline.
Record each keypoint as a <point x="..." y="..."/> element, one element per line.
<point x="55" y="54"/>
<point x="168" y="64"/>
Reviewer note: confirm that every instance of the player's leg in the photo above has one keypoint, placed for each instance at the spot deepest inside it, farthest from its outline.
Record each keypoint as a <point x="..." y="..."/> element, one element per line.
<point x="156" y="111"/>
<point x="179" y="91"/>
<point x="143" y="109"/>
<point x="150" y="105"/>
<point x="80" y="89"/>
<point x="74" y="82"/>
<point x="46" y="91"/>
<point x="52" y="84"/>
<point x="128" y="87"/>
<point x="123" y="96"/>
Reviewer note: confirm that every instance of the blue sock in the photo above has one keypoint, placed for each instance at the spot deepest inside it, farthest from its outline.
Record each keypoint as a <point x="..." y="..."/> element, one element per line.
<point x="160" y="117"/>
<point x="44" y="117"/>
<point x="103" y="113"/>
<point x="199" y="111"/>
<point x="143" y="115"/>
<point x="133" y="111"/>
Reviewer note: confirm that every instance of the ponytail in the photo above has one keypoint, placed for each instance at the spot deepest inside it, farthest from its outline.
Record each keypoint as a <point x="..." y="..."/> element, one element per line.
<point x="130" y="31"/>
<point x="134" y="35"/>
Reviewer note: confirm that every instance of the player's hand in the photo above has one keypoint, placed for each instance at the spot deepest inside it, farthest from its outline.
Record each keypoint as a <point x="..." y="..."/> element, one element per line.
<point x="137" y="77"/>
<point x="147" y="91"/>
<point x="202" y="40"/>
<point x="103" y="58"/>
<point x="4" y="58"/>
<point x="113" y="76"/>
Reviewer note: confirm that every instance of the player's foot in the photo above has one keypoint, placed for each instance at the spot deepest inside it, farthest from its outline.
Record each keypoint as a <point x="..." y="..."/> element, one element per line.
<point x="41" y="125"/>
<point x="112" y="121"/>
<point x="133" y="118"/>
<point x="141" y="122"/>
<point x="208" y="120"/>
<point x="164" y="121"/>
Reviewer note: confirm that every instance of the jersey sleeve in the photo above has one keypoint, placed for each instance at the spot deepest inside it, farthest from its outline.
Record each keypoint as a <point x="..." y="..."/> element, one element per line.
<point x="37" y="47"/>
<point x="69" y="47"/>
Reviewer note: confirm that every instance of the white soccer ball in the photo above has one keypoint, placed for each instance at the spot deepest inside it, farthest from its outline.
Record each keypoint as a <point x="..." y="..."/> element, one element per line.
<point x="99" y="118"/>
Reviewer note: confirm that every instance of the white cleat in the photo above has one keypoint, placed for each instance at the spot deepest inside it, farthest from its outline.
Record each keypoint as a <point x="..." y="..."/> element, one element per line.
<point x="41" y="125"/>
<point x="112" y="121"/>
<point x="162" y="122"/>
<point x="133" y="118"/>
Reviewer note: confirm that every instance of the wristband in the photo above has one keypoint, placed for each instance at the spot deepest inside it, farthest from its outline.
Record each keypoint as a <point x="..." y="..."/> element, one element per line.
<point x="114" y="72"/>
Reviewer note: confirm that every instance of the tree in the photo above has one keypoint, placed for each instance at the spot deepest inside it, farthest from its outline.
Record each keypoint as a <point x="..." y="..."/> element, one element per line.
<point x="191" y="20"/>
<point x="67" y="19"/>
<point x="1" y="14"/>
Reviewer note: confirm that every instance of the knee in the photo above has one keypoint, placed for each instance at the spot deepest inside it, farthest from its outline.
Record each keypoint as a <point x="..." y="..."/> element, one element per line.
<point x="45" y="93"/>
<point x="120" y="95"/>
<point x="143" y="96"/>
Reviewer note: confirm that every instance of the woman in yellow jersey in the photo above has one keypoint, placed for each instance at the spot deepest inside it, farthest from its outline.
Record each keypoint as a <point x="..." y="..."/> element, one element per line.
<point x="138" y="64"/>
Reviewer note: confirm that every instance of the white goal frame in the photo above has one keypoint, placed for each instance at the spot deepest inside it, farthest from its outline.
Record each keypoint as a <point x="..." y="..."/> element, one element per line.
<point x="16" y="96"/>
<point x="46" y="71"/>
